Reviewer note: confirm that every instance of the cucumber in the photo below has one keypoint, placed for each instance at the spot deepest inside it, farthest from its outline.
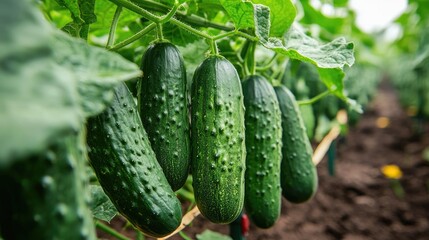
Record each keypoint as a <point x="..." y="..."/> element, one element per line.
<point x="298" y="173"/>
<point x="217" y="140"/>
<point x="126" y="167"/>
<point x="163" y="107"/>
<point x="45" y="196"/>
<point x="262" y="199"/>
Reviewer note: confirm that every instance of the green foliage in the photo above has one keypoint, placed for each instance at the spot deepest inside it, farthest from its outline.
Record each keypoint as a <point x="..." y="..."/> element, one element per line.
<point x="49" y="74"/>
<point x="101" y="206"/>
<point x="210" y="235"/>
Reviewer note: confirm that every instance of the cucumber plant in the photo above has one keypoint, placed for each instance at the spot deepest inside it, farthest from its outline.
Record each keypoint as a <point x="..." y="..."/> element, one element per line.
<point x="142" y="154"/>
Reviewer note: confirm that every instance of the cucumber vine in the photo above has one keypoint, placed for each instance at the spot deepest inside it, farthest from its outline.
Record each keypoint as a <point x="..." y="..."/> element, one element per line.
<point x="169" y="17"/>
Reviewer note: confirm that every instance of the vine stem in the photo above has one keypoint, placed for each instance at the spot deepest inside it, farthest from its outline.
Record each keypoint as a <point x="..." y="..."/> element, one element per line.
<point x="190" y="29"/>
<point x="268" y="64"/>
<point x="170" y="14"/>
<point x="113" y="26"/>
<point x="169" y="17"/>
<point x="314" y="99"/>
<point x="110" y="231"/>
<point x="183" y="16"/>
<point x="159" y="32"/>
<point x="131" y="6"/>
<point x="133" y="38"/>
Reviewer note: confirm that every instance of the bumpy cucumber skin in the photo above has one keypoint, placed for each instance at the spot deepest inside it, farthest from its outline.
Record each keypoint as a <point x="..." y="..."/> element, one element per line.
<point x="217" y="140"/>
<point x="163" y="106"/>
<point x="126" y="167"/>
<point x="262" y="199"/>
<point x="46" y="196"/>
<point x="298" y="173"/>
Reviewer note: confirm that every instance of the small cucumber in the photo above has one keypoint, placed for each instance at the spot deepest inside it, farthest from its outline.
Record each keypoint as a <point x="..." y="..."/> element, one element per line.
<point x="263" y="145"/>
<point x="126" y="167"/>
<point x="217" y="140"/>
<point x="298" y="173"/>
<point x="163" y="106"/>
<point x="45" y="196"/>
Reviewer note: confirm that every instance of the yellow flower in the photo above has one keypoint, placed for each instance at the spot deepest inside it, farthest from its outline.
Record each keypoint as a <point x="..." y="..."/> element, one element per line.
<point x="391" y="171"/>
<point x="382" y="122"/>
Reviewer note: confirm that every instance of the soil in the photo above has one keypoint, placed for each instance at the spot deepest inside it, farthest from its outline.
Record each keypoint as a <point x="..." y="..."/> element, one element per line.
<point x="358" y="201"/>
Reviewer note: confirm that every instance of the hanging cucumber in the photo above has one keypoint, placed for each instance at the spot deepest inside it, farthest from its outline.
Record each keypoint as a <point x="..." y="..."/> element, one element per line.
<point x="126" y="167"/>
<point x="263" y="145"/>
<point x="218" y="147"/>
<point x="45" y="196"/>
<point x="163" y="106"/>
<point x="298" y="173"/>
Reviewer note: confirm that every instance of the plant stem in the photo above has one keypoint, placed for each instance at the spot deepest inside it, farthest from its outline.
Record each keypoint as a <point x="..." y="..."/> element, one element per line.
<point x="251" y="58"/>
<point x="268" y="64"/>
<point x="190" y="29"/>
<point x="133" y="38"/>
<point x="186" y="195"/>
<point x="223" y="35"/>
<point x="170" y="14"/>
<point x="314" y="99"/>
<point x="159" y="32"/>
<point x="139" y="235"/>
<point x="184" y="236"/>
<point x="110" y="231"/>
<point x="131" y="6"/>
<point x="245" y="35"/>
<point x="113" y="26"/>
<point x="169" y="17"/>
<point x="182" y="16"/>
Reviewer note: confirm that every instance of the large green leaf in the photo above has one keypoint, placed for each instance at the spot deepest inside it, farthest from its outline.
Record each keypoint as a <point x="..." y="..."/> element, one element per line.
<point x="49" y="81"/>
<point x="96" y="70"/>
<point x="329" y="58"/>
<point x="101" y="206"/>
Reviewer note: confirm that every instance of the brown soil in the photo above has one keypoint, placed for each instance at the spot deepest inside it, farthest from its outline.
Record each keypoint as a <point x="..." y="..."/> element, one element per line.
<point x="358" y="202"/>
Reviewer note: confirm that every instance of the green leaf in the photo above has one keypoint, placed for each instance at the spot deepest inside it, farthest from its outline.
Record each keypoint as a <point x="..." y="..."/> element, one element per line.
<point x="341" y="3"/>
<point x="100" y="205"/>
<point x="241" y="12"/>
<point x="86" y="8"/>
<point x="96" y="70"/>
<point x="262" y="21"/>
<point x="50" y="81"/>
<point x="38" y="98"/>
<point x="329" y="58"/>
<point x="105" y="11"/>
<point x="245" y="14"/>
<point x="210" y="235"/>
<point x="283" y="13"/>
<point x="178" y="36"/>
<point x="73" y="7"/>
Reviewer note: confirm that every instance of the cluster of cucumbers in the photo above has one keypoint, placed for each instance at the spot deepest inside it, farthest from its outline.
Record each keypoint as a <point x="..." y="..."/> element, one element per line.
<point x="244" y="143"/>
